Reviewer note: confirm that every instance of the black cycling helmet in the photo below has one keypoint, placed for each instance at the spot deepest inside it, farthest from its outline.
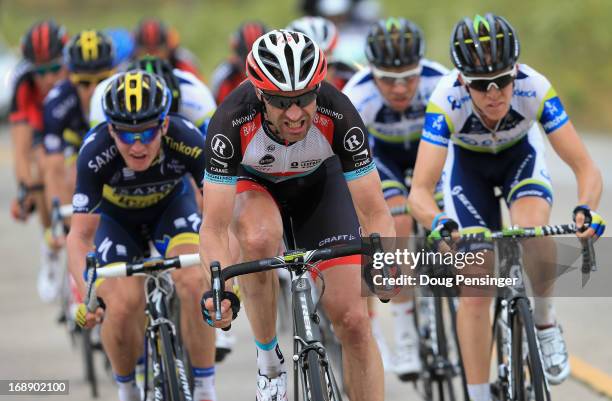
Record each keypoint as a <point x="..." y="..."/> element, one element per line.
<point x="484" y="45"/>
<point x="394" y="42"/>
<point x="89" y="52"/>
<point x="242" y="40"/>
<point x="162" y="68"/>
<point x="136" y="99"/>
<point x="44" y="42"/>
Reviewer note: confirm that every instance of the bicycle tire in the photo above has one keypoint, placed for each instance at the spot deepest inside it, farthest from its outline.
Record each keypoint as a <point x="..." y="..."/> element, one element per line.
<point x="174" y="390"/>
<point x="528" y="375"/>
<point x="88" y="350"/>
<point x="315" y="381"/>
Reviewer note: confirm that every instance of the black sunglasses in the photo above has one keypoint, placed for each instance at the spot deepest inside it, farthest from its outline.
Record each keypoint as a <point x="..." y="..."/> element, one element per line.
<point x="284" y="102"/>
<point x="48" y="68"/>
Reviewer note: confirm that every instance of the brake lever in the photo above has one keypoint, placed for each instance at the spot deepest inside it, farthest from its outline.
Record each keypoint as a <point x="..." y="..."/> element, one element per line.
<point x="215" y="274"/>
<point x="91" y="300"/>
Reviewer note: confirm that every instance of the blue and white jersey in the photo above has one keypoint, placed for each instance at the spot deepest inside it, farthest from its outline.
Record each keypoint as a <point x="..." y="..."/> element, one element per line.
<point x="196" y="104"/>
<point x="383" y="123"/>
<point x="394" y="136"/>
<point x="451" y="117"/>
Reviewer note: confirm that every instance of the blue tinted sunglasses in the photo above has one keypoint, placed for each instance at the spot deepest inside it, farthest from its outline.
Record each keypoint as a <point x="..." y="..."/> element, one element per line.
<point x="145" y="137"/>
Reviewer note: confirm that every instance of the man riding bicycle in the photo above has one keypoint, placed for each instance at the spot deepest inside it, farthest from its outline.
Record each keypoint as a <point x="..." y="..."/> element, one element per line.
<point x="132" y="189"/>
<point x="488" y="108"/>
<point x="42" y="67"/>
<point x="288" y="151"/>
<point x="391" y="96"/>
<point x="89" y="59"/>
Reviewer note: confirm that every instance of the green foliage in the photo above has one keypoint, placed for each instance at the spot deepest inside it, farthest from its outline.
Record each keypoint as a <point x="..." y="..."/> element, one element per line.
<point x="567" y="40"/>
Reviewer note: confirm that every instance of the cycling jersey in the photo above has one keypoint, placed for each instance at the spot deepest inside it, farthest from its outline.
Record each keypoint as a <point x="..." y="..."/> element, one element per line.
<point x="27" y="102"/>
<point x="451" y="117"/>
<point x="239" y="136"/>
<point x="479" y="159"/>
<point x="225" y="79"/>
<point x="104" y="179"/>
<point x="339" y="73"/>
<point x="64" y="122"/>
<point x="394" y="136"/>
<point x="196" y="102"/>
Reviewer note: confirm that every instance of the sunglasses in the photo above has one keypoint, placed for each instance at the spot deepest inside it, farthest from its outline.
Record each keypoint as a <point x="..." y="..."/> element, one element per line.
<point x="396" y="78"/>
<point x="284" y="102"/>
<point x="145" y="136"/>
<point x="87" y="80"/>
<point x="52" y="68"/>
<point x="485" y="84"/>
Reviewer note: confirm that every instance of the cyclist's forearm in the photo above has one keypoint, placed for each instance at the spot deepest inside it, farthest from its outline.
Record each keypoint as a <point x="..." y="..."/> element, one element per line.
<point x="379" y="222"/>
<point x="214" y="246"/>
<point x="55" y="181"/>
<point x="77" y="247"/>
<point x="423" y="206"/>
<point x="22" y="145"/>
<point x="590" y="185"/>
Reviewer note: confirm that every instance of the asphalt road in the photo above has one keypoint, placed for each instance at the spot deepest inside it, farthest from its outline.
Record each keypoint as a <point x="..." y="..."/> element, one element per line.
<point x="34" y="346"/>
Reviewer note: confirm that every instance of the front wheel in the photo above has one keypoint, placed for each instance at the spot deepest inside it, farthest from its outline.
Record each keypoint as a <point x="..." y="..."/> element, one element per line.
<point x="319" y="382"/>
<point x="527" y="376"/>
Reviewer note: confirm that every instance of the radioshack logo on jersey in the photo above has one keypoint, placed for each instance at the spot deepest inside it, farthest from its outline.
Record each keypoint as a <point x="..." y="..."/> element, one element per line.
<point x="222" y="147"/>
<point x="353" y="139"/>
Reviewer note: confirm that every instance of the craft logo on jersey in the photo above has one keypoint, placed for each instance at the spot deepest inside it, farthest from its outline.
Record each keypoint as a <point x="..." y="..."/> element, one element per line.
<point x="222" y="147"/>
<point x="354" y="139"/>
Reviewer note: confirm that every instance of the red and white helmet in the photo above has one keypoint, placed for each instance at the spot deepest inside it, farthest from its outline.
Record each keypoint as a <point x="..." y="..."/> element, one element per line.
<point x="319" y="29"/>
<point x="285" y="61"/>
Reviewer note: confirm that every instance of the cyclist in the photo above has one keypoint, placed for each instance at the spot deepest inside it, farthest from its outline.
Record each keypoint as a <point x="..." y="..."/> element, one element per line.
<point x="155" y="38"/>
<point x="286" y="147"/>
<point x="133" y="170"/>
<point x="325" y="33"/>
<point x="123" y="43"/>
<point x="89" y="57"/>
<point x="488" y="108"/>
<point x="391" y="96"/>
<point x="40" y="69"/>
<point x="192" y="100"/>
<point x="229" y="74"/>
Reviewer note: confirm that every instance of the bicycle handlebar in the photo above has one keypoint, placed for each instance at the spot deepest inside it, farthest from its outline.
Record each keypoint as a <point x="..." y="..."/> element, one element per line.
<point x="124" y="269"/>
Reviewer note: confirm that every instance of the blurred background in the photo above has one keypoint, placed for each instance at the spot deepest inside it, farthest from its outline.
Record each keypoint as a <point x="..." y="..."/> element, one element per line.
<point x="566" y="40"/>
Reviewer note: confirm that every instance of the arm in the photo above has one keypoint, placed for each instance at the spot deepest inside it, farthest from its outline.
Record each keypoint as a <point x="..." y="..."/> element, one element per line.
<point x="370" y="205"/>
<point x="21" y="134"/>
<point x="427" y="172"/>
<point x="79" y="243"/>
<point x="217" y="211"/>
<point x="56" y="184"/>
<point x="570" y="148"/>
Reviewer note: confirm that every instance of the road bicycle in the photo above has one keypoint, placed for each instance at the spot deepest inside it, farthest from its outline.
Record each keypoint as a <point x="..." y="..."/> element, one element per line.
<point x="170" y="380"/>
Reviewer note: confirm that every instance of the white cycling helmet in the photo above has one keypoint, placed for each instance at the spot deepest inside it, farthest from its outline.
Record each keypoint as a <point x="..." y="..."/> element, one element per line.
<point x="283" y="60"/>
<point x="319" y="29"/>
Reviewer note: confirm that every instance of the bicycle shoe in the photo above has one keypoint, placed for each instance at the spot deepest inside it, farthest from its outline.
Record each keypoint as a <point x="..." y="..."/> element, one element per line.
<point x="555" y="360"/>
<point x="274" y="389"/>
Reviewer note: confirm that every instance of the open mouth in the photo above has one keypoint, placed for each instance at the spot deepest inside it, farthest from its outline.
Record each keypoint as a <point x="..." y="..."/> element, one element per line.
<point x="138" y="157"/>
<point x="295" y="125"/>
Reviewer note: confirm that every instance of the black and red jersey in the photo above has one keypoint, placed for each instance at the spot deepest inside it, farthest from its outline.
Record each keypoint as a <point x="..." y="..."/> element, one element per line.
<point x="238" y="138"/>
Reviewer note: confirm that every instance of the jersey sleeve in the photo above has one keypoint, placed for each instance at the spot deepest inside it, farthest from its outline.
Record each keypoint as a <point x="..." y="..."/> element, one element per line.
<point x="222" y="151"/>
<point x="189" y="143"/>
<point x="551" y="113"/>
<point x="350" y="141"/>
<point x="53" y="122"/>
<point x="89" y="183"/>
